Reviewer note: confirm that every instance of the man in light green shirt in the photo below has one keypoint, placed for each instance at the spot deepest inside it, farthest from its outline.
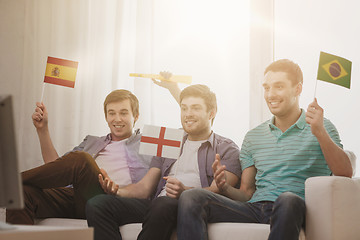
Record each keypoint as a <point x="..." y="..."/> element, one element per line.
<point x="276" y="158"/>
<point x="284" y="160"/>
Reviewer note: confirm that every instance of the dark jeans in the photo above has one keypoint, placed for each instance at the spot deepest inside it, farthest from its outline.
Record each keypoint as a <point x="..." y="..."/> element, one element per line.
<point x="160" y="219"/>
<point x="106" y="213"/>
<point x="44" y="192"/>
<point x="197" y="207"/>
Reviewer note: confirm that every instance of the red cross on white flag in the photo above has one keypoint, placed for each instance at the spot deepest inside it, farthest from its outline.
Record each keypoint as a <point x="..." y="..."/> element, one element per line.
<point x="161" y="141"/>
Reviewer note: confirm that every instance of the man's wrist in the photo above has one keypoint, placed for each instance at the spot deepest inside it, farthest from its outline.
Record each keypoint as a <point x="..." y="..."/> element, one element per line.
<point x="43" y="130"/>
<point x="320" y="133"/>
<point x="118" y="193"/>
<point x="224" y="189"/>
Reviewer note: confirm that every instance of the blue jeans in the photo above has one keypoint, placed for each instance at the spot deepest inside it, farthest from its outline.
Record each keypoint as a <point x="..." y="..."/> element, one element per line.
<point x="197" y="207"/>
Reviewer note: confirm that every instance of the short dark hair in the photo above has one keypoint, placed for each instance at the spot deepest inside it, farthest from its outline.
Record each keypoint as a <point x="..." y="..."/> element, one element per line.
<point x="121" y="95"/>
<point x="204" y="92"/>
<point x="285" y="65"/>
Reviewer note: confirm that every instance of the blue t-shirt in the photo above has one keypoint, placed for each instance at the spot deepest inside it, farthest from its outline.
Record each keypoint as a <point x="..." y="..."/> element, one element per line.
<point x="284" y="160"/>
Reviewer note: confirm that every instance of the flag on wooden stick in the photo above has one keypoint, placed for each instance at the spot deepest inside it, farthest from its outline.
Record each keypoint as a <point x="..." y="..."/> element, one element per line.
<point x="161" y="141"/>
<point x="60" y="72"/>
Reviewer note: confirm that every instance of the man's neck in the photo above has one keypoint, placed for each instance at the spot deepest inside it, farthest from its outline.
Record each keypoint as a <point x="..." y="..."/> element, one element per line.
<point x="116" y="139"/>
<point x="284" y="122"/>
<point x="200" y="136"/>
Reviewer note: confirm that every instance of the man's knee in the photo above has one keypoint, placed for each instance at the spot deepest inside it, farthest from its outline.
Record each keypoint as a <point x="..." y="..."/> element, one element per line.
<point x="191" y="197"/>
<point x="80" y="158"/>
<point x="290" y="199"/>
<point x="290" y="203"/>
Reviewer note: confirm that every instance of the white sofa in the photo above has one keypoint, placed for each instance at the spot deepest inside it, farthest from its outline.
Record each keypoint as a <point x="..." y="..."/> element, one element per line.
<point x="333" y="213"/>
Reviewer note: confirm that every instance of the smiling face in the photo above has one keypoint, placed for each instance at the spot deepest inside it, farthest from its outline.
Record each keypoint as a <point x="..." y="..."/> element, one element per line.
<point x="195" y="118"/>
<point x="120" y="119"/>
<point x="281" y="94"/>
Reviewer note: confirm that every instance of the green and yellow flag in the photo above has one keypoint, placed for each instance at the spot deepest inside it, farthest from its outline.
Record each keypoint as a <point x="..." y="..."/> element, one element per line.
<point x="334" y="69"/>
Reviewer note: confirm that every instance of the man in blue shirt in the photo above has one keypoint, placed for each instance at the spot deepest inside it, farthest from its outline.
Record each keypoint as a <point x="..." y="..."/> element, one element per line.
<point x="276" y="158"/>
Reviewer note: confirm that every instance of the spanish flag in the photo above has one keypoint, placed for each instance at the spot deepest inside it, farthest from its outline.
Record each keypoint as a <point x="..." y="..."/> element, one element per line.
<point x="334" y="69"/>
<point x="60" y="72"/>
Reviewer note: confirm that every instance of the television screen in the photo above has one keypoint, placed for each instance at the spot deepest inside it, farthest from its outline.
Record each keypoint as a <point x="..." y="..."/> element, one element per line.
<point x="11" y="195"/>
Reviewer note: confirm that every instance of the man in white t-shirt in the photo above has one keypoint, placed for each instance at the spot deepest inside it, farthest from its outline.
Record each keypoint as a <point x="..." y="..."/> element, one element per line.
<point x="168" y="178"/>
<point x="46" y="188"/>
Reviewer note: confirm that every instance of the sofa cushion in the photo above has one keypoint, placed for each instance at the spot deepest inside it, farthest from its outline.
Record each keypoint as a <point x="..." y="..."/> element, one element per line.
<point x="217" y="231"/>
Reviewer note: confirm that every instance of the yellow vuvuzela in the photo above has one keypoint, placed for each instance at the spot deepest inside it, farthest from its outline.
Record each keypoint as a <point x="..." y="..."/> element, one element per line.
<point x="174" y="78"/>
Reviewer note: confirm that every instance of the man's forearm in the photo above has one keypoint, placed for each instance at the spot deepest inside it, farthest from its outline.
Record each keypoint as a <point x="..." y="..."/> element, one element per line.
<point x="236" y="194"/>
<point x="48" y="151"/>
<point x="336" y="158"/>
<point x="175" y="92"/>
<point x="133" y="191"/>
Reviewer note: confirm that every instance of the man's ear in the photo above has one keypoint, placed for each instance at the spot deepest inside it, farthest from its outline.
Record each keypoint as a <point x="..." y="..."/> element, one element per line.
<point x="136" y="118"/>
<point x="298" y="89"/>
<point x="212" y="114"/>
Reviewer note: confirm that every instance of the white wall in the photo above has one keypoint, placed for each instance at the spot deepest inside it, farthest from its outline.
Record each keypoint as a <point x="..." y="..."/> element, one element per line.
<point x="302" y="30"/>
<point x="208" y="40"/>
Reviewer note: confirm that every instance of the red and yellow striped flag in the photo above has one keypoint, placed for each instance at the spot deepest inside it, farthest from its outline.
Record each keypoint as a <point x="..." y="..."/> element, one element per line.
<point x="60" y="72"/>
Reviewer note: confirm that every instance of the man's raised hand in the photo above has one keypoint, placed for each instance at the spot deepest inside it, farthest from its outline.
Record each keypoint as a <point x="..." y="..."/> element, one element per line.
<point x="40" y="116"/>
<point x="165" y="84"/>
<point x="315" y="117"/>
<point x="219" y="174"/>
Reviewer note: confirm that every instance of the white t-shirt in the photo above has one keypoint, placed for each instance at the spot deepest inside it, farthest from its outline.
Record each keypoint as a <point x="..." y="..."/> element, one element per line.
<point x="186" y="168"/>
<point x="113" y="159"/>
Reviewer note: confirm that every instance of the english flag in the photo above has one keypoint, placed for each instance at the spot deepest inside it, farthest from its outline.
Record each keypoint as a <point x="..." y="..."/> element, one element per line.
<point x="161" y="141"/>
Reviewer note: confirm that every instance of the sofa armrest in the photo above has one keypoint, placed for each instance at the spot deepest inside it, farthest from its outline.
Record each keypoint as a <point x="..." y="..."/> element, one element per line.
<point x="332" y="208"/>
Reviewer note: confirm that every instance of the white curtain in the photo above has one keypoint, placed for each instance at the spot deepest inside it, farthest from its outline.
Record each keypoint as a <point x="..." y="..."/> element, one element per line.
<point x="208" y="40"/>
<point x="100" y="35"/>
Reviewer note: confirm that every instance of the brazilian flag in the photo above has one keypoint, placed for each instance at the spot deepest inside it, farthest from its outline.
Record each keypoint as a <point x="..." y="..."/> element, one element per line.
<point x="334" y="69"/>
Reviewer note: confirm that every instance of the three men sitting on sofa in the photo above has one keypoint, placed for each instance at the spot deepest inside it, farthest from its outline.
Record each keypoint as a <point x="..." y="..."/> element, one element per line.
<point x="276" y="158"/>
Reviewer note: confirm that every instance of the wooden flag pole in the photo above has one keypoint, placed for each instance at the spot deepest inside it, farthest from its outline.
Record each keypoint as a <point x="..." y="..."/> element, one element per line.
<point x="315" y="88"/>
<point x="42" y="92"/>
<point x="174" y="78"/>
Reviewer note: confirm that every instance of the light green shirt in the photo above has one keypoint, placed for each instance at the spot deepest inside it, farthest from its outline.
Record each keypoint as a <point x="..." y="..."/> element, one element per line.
<point x="284" y="160"/>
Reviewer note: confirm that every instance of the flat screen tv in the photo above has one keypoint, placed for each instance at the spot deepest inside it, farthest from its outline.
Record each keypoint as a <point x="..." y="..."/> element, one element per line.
<point x="11" y="192"/>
